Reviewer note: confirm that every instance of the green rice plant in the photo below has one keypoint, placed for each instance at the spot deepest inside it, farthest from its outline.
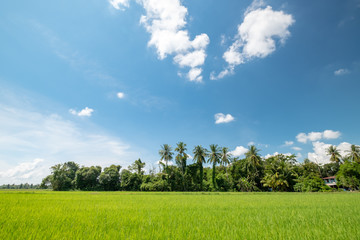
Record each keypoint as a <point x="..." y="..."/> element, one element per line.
<point x="130" y="215"/>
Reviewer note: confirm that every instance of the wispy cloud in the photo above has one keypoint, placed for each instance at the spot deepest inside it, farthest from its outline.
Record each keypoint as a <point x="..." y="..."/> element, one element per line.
<point x="341" y="71"/>
<point x="256" y="37"/>
<point x="31" y="142"/>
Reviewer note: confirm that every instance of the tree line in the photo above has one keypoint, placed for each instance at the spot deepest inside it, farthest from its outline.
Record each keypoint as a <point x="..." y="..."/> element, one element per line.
<point x="226" y="173"/>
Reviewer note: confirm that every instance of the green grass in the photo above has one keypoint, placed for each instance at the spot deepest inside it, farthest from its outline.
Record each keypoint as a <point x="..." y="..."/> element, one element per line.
<point x="124" y="215"/>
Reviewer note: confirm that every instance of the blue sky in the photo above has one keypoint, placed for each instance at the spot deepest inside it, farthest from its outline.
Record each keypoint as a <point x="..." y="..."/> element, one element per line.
<point x="102" y="82"/>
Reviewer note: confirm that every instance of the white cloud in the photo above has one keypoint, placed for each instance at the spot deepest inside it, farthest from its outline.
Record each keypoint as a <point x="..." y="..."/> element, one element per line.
<point x="256" y="37"/>
<point x="289" y="143"/>
<point x="296" y="148"/>
<point x="239" y="151"/>
<point x="165" y="20"/>
<point x="341" y="71"/>
<point x="120" y="95"/>
<point x="329" y="134"/>
<point x="222" y="118"/>
<point x="275" y="154"/>
<point x="86" y="112"/>
<point x="119" y="4"/>
<point x="195" y="75"/>
<point x="27" y="135"/>
<point x="251" y="143"/>
<point x="315" y="136"/>
<point x="23" y="170"/>
<point x="319" y="155"/>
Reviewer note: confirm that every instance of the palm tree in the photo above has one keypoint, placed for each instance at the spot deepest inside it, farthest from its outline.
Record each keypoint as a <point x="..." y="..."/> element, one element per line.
<point x="225" y="159"/>
<point x="200" y="154"/>
<point x="166" y="154"/>
<point x="252" y="162"/>
<point x="354" y="153"/>
<point x="181" y="159"/>
<point x="334" y="154"/>
<point x="182" y="156"/>
<point x="214" y="158"/>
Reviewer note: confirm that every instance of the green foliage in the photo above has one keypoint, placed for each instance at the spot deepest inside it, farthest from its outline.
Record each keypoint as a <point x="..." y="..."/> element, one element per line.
<point x="310" y="184"/>
<point x="87" y="178"/>
<point x="110" y="178"/>
<point x="130" y="181"/>
<point x="349" y="175"/>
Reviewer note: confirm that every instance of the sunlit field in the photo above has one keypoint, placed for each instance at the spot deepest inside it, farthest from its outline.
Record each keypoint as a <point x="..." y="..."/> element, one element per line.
<point x="124" y="215"/>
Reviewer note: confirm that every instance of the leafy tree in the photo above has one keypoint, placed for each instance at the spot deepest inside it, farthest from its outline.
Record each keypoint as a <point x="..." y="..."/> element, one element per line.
<point x="63" y="175"/>
<point x="87" y="178"/>
<point x="279" y="173"/>
<point x="349" y="175"/>
<point x="138" y="165"/>
<point x="329" y="169"/>
<point x="130" y="181"/>
<point x="200" y="155"/>
<point x="311" y="183"/>
<point x="354" y="153"/>
<point x="214" y="158"/>
<point x="334" y="154"/>
<point x="110" y="178"/>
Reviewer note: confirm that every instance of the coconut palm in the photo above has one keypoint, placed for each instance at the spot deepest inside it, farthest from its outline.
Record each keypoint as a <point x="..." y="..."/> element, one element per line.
<point x="182" y="156"/>
<point x="200" y="155"/>
<point x="166" y="154"/>
<point x="225" y="158"/>
<point x="214" y="158"/>
<point x="334" y="154"/>
<point x="252" y="163"/>
<point x="354" y="153"/>
<point x="181" y="159"/>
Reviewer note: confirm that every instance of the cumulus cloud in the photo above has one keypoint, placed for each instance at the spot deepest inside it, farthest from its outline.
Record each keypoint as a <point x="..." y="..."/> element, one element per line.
<point x="341" y="71"/>
<point x="86" y="112"/>
<point x="319" y="155"/>
<point x="165" y="20"/>
<point x="315" y="136"/>
<point x="289" y="143"/>
<point x="222" y="118"/>
<point x="239" y="151"/>
<point x="257" y="36"/>
<point x="120" y="95"/>
<point x="276" y="153"/>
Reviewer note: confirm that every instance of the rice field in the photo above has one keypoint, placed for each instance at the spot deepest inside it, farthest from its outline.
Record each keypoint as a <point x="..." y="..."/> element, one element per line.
<point x="125" y="215"/>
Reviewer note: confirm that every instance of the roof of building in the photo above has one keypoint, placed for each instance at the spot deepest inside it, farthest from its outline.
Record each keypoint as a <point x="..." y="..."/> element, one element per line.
<point x="332" y="177"/>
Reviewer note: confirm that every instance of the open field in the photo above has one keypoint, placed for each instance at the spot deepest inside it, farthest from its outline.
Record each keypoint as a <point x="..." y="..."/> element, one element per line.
<point x="125" y="215"/>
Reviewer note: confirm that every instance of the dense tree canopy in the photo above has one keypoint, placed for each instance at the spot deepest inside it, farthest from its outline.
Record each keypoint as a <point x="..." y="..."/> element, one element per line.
<point x="223" y="172"/>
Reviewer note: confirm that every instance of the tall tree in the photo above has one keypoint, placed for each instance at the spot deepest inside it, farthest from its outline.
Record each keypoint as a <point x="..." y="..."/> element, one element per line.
<point x="138" y="165"/>
<point x="200" y="155"/>
<point x="225" y="159"/>
<point x="182" y="156"/>
<point x="214" y="158"/>
<point x="110" y="178"/>
<point x="334" y="154"/>
<point x="166" y="154"/>
<point x="354" y="153"/>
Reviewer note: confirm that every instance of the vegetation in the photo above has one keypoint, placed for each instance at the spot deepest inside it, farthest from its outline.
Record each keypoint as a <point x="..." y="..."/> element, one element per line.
<point x="128" y="215"/>
<point x="279" y="173"/>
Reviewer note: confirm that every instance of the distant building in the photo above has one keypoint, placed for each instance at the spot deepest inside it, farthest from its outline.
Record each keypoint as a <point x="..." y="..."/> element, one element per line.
<point x="330" y="181"/>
